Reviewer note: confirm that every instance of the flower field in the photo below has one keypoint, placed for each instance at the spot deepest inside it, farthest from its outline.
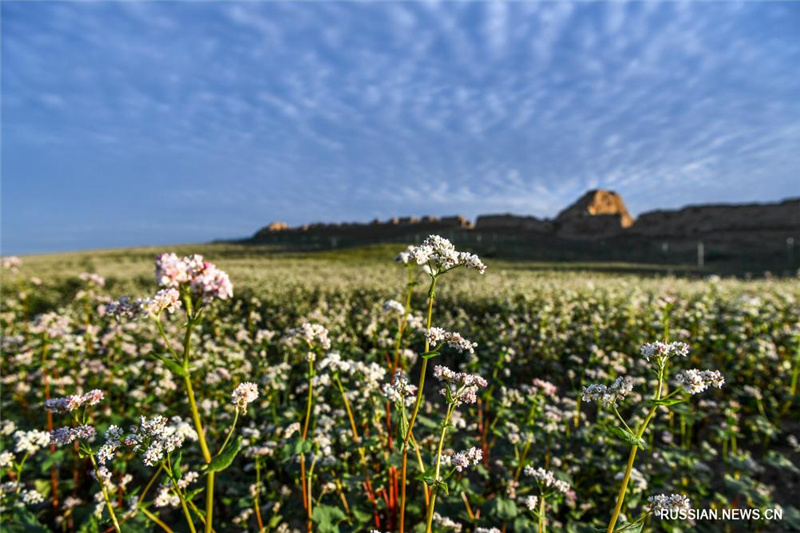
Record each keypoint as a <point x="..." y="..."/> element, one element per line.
<point x="418" y="389"/>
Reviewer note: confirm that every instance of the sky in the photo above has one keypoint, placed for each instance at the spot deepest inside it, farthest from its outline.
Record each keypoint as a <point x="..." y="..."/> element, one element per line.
<point x="132" y="123"/>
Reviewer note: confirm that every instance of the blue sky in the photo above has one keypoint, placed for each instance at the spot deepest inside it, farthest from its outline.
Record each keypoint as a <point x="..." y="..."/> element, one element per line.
<point x="167" y="122"/>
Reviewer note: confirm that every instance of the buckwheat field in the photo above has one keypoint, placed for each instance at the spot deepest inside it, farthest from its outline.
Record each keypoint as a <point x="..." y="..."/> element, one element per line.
<point x="256" y="391"/>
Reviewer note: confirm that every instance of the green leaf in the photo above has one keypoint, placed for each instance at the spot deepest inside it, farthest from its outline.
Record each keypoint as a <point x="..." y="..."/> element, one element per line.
<point x="402" y="428"/>
<point x="302" y="447"/>
<point x="224" y="460"/>
<point x="173" y="366"/>
<point x="428" y="355"/>
<point x="192" y="494"/>
<point x="780" y="461"/>
<point x="668" y="401"/>
<point x="505" y="509"/>
<point x="176" y="467"/>
<point x="628" y="437"/>
<point x="633" y="527"/>
<point x="327" y="518"/>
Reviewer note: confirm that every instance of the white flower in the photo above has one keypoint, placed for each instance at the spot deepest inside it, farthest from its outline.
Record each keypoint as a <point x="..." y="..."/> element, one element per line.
<point x="663" y="351"/>
<point x="67" y="435"/>
<point x="405" y="256"/>
<point x="31" y="441"/>
<point x="695" y="381"/>
<point x="92" y="278"/>
<point x="463" y="460"/>
<point x="434" y="336"/>
<point x="6" y="458"/>
<point x="204" y="279"/>
<point x="334" y="362"/>
<point x="393" y="306"/>
<point x="125" y="308"/>
<point x="155" y="437"/>
<point x="70" y="403"/>
<point x="668" y="502"/>
<point x="546" y="478"/>
<point x="400" y="391"/>
<point x="244" y="394"/>
<point x="164" y="300"/>
<point x="601" y="394"/>
<point x="531" y="502"/>
<point x="312" y="334"/>
<point x="12" y="263"/>
<point x="439" y="255"/>
<point x="166" y="498"/>
<point x="459" y="387"/>
<point x="446" y="523"/>
<point x="31" y="497"/>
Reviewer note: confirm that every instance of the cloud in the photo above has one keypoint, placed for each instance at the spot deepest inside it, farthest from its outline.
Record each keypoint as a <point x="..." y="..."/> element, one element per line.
<point x="308" y="111"/>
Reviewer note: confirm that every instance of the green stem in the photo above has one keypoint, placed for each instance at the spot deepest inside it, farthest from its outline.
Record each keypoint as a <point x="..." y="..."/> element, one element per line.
<point x="185" y="508"/>
<point x="156" y="520"/>
<point x="230" y="431"/>
<point x="198" y="425"/>
<point x="542" y="519"/>
<point x="438" y="463"/>
<point x="310" y="502"/>
<point x="105" y="494"/>
<point x="310" y="396"/>
<point x="632" y="457"/>
<point x="416" y="409"/>
<point x="166" y="339"/>
<point x="347" y="408"/>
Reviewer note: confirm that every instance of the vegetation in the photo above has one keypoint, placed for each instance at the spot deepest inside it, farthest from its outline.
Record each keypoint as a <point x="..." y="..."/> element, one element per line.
<point x="343" y="391"/>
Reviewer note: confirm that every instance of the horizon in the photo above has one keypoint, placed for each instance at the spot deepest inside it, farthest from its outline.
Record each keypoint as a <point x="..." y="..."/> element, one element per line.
<point x="235" y="238"/>
<point x="158" y="123"/>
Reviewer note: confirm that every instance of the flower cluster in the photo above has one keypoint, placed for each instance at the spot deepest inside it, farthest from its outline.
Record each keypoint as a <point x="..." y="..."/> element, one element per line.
<point x="68" y="435"/>
<point x="6" y="458"/>
<point x="92" y="278"/>
<point x="12" y="263"/>
<point x="439" y="255"/>
<point x="125" y="308"/>
<point x="462" y="460"/>
<point x="393" y="306"/>
<point x="400" y="392"/>
<point x="662" y="351"/>
<point x="435" y="336"/>
<point x="52" y="325"/>
<point x="545" y="387"/>
<point x="70" y="403"/>
<point x="243" y="395"/>
<point x="531" y="502"/>
<point x="608" y="396"/>
<point x="547" y="479"/>
<point x="164" y="300"/>
<point x="335" y="364"/>
<point x="30" y="442"/>
<point x="404" y="257"/>
<point x="459" y="387"/>
<point x="668" y="502"/>
<point x="204" y="279"/>
<point x="312" y="334"/>
<point x="113" y="441"/>
<point x="695" y="381"/>
<point x="446" y="523"/>
<point x="156" y="437"/>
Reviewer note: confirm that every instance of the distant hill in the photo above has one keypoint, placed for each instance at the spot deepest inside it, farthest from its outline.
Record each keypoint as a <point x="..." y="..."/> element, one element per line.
<point x="598" y="214"/>
<point x="597" y="226"/>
